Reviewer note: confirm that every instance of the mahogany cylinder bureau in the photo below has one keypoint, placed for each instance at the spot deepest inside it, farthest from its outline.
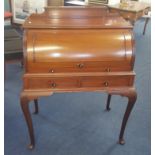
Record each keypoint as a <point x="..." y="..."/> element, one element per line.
<point x="74" y="49"/>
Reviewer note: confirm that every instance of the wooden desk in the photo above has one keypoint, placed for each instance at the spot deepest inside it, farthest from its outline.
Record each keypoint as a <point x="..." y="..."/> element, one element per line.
<point x="77" y="49"/>
<point x="131" y="11"/>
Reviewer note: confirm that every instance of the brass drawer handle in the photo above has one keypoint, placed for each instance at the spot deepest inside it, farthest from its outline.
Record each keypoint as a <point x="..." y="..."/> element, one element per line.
<point x="106" y="84"/>
<point x="53" y="85"/>
<point x="107" y="69"/>
<point x="51" y="71"/>
<point x="80" y="65"/>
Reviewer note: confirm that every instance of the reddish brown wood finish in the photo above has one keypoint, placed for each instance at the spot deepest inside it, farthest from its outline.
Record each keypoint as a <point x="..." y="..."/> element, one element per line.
<point x="132" y="12"/>
<point x="60" y="81"/>
<point x="77" y="49"/>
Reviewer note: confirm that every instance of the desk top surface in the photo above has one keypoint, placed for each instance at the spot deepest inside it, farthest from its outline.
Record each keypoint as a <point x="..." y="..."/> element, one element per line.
<point x="131" y="6"/>
<point x="76" y="17"/>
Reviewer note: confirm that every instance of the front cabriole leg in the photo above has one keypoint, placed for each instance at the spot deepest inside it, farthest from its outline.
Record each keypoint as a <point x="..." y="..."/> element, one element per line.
<point x="131" y="94"/>
<point x="25" y="98"/>
<point x="24" y="101"/>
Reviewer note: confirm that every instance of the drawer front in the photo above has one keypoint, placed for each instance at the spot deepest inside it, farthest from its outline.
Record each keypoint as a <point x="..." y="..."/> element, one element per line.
<point x="78" y="82"/>
<point x="50" y="83"/>
<point x="63" y="67"/>
<point x="124" y="14"/>
<point x="128" y="14"/>
<point x="110" y="81"/>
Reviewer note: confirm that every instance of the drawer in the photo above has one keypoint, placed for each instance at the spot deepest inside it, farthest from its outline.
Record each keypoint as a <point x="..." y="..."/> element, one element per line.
<point x="129" y="15"/>
<point x="50" y="83"/>
<point x="62" y="67"/>
<point x="73" y="82"/>
<point x="107" y="81"/>
<point x="124" y="14"/>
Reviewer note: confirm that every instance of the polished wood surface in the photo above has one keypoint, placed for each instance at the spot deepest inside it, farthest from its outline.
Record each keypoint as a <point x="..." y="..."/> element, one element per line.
<point x="75" y="49"/>
<point x="132" y="11"/>
<point x="68" y="18"/>
<point x="83" y="54"/>
<point x="131" y="6"/>
<point x="60" y="82"/>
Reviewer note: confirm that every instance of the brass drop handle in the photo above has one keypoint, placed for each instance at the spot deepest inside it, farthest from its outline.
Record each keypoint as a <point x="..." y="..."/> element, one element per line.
<point x="53" y="85"/>
<point x="107" y="69"/>
<point x="80" y="65"/>
<point x="51" y="71"/>
<point x="106" y="84"/>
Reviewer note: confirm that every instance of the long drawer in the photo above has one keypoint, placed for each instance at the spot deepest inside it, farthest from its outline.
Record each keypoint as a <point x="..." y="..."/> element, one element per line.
<point x="64" y="67"/>
<point x="73" y="82"/>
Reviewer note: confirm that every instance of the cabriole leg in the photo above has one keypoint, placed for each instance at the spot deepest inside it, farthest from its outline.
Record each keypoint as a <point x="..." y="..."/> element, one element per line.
<point x="146" y="22"/>
<point x="25" y="108"/>
<point x="132" y="96"/>
<point x="108" y="102"/>
<point x="36" y="106"/>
